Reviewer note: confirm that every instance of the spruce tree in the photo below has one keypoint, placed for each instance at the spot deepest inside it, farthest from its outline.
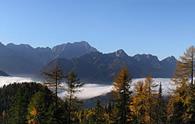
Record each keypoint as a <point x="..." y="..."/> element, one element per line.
<point x="160" y="107"/>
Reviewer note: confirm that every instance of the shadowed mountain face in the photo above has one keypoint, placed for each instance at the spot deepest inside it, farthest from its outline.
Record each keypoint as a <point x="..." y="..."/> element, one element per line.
<point x="86" y="61"/>
<point x="25" y="60"/>
<point x="3" y="73"/>
<point x="97" y="67"/>
<point x="22" y="59"/>
<point x="72" y="50"/>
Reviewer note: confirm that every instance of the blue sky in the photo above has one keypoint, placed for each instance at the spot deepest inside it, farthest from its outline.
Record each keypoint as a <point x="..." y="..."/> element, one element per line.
<point x="159" y="27"/>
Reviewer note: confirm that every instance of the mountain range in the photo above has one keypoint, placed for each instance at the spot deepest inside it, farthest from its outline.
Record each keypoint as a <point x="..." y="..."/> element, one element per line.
<point x="25" y="60"/>
<point x="90" y="64"/>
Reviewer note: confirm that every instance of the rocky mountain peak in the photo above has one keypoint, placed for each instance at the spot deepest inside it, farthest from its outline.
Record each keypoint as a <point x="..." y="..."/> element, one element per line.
<point x="120" y="53"/>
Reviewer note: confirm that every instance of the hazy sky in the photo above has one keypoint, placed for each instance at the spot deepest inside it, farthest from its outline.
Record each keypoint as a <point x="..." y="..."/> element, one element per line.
<point x="159" y="27"/>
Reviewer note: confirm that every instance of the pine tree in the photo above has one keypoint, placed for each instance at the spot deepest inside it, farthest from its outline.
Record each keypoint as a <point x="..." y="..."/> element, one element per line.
<point x="73" y="104"/>
<point x="122" y="96"/>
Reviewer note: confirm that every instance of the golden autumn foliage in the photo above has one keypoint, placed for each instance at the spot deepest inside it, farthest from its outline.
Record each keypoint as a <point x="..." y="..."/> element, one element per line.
<point x="181" y="106"/>
<point x="33" y="113"/>
<point x="144" y="101"/>
<point x="122" y="96"/>
<point x="185" y="66"/>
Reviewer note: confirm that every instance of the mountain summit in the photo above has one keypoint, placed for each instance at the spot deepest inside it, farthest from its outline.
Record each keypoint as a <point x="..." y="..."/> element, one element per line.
<point x="72" y="50"/>
<point x="121" y="53"/>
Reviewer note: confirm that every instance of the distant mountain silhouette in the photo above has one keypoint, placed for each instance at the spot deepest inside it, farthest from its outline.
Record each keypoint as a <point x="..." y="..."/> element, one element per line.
<point x="2" y="73"/>
<point x="90" y="64"/>
<point x="98" y="67"/>
<point x="25" y="60"/>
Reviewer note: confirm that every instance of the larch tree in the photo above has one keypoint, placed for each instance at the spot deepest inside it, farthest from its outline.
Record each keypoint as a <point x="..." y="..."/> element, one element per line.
<point x="122" y="96"/>
<point x="144" y="102"/>
<point x="73" y="104"/>
<point x="150" y="96"/>
<point x="181" y="104"/>
<point x="185" y="66"/>
<point x="161" y="106"/>
<point x="137" y="105"/>
<point x="37" y="109"/>
<point x="54" y="78"/>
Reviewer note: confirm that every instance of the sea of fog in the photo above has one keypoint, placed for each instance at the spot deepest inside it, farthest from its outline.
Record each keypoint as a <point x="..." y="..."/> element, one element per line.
<point x="90" y="90"/>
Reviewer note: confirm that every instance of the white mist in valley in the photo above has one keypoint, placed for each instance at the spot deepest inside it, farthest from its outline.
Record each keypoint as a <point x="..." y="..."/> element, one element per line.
<point x="5" y="80"/>
<point x="90" y="90"/>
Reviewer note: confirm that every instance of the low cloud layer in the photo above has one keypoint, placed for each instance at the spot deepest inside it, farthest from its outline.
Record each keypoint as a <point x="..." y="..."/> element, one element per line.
<point x="11" y="80"/>
<point x="94" y="90"/>
<point x="91" y="90"/>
